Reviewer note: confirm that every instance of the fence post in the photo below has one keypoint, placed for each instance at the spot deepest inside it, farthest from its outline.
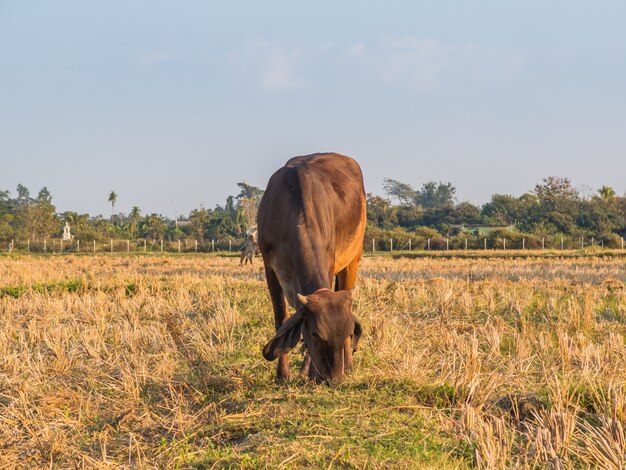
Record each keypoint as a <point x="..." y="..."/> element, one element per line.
<point x="485" y="243"/>
<point x="543" y="243"/>
<point x="94" y="245"/>
<point x="504" y="244"/>
<point x="196" y="245"/>
<point x="61" y="249"/>
<point x="28" y="245"/>
<point x="391" y="246"/>
<point x="45" y="247"/>
<point x="429" y="244"/>
<point x="447" y="244"/>
<point x="373" y="245"/>
<point x="127" y="246"/>
<point x="161" y="245"/>
<point x="213" y="245"/>
<point x="593" y="241"/>
<point x="561" y="243"/>
<point x="409" y="244"/>
<point x="466" y="244"/>
<point x="77" y="246"/>
<point x="523" y="243"/>
<point x="582" y="243"/>
<point x="179" y="245"/>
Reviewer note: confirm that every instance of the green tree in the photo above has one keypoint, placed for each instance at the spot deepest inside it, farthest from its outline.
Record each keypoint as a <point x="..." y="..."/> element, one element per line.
<point x="466" y="213"/>
<point x="434" y="195"/>
<point x="79" y="223"/>
<point x="556" y="193"/>
<point x="37" y="220"/>
<point x="606" y="193"/>
<point x="112" y="200"/>
<point x="134" y="218"/>
<point x="559" y="205"/>
<point x="248" y="201"/>
<point x="199" y="221"/>
<point x="154" y="226"/>
<point x="247" y="191"/>
<point x="403" y="192"/>
<point x="380" y="212"/>
<point x="220" y="226"/>
<point x="504" y="209"/>
<point x="102" y="229"/>
<point x="5" y="202"/>
<point x="409" y="216"/>
<point x="6" y="230"/>
<point x="44" y="195"/>
<point x="23" y="194"/>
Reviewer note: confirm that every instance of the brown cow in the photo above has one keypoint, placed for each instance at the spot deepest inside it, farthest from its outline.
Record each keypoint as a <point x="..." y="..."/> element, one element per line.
<point x="311" y="223"/>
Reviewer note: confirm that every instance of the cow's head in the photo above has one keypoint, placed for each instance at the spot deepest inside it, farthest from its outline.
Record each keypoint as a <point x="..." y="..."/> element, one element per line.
<point x="329" y="329"/>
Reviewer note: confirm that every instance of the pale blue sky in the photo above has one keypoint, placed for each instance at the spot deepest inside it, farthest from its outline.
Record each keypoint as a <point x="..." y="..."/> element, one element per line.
<point x="170" y="104"/>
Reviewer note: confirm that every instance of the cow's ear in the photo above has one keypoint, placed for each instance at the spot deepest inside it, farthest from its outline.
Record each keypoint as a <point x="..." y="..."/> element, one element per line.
<point x="286" y="338"/>
<point x="356" y="336"/>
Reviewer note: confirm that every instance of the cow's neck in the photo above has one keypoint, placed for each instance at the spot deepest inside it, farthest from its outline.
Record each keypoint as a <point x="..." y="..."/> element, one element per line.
<point x="312" y="263"/>
<point x="311" y="280"/>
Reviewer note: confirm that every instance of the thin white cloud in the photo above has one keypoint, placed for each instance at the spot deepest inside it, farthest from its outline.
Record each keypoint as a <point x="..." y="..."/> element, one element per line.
<point x="358" y="50"/>
<point x="426" y="64"/>
<point x="417" y="62"/>
<point x="273" y="67"/>
<point x="279" y="71"/>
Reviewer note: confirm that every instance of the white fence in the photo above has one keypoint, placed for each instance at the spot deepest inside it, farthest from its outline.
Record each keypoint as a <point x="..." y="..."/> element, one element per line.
<point x="57" y="245"/>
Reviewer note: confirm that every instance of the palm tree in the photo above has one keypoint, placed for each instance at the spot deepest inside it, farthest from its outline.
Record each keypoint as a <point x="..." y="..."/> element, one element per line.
<point x="606" y="192"/>
<point x="135" y="215"/>
<point x="112" y="200"/>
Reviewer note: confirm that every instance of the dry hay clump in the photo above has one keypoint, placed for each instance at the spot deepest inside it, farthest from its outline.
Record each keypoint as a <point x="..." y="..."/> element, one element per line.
<point x="147" y="361"/>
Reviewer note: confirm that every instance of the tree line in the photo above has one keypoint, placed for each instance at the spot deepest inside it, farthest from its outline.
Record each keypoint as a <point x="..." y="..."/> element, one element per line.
<point x="24" y="217"/>
<point x="553" y="209"/>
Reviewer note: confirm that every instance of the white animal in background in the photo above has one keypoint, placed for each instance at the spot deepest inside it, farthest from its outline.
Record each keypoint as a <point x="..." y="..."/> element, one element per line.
<point x="250" y="247"/>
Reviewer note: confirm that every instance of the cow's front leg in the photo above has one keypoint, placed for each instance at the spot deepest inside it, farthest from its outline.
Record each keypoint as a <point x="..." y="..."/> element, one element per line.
<point x="280" y="316"/>
<point x="306" y="364"/>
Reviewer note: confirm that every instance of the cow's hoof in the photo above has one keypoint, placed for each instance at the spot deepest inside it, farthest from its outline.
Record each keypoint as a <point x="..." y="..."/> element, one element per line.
<point x="282" y="379"/>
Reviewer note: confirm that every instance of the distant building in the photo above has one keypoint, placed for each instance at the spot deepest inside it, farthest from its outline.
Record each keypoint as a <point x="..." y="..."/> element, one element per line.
<point x="486" y="230"/>
<point x="182" y="223"/>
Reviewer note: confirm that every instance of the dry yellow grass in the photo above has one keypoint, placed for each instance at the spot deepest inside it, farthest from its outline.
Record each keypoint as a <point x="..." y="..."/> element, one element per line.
<point x="154" y="361"/>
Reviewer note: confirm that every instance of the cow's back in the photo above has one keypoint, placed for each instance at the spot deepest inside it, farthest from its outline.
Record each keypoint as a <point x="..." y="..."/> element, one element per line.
<point x="314" y="206"/>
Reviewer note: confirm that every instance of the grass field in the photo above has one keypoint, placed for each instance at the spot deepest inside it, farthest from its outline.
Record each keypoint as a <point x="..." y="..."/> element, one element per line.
<point x="155" y="361"/>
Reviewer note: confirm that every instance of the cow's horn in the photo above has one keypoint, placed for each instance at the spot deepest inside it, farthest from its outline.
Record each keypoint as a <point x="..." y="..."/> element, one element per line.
<point x="303" y="299"/>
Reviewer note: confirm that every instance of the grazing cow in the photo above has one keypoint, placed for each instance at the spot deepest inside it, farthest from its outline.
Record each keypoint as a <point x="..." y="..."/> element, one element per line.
<point x="311" y="223"/>
<point x="250" y="247"/>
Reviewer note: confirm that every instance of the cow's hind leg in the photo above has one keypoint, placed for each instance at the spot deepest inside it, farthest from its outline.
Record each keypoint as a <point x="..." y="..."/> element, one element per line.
<point x="347" y="277"/>
<point x="280" y="316"/>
